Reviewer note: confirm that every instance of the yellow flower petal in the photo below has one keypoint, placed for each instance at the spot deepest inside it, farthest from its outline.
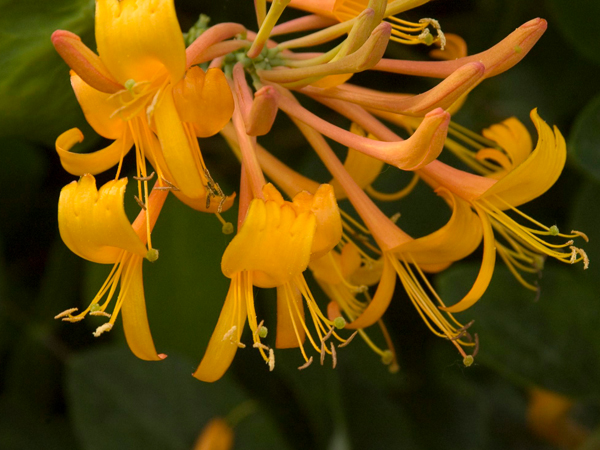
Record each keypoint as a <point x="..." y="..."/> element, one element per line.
<point x="95" y="162"/>
<point x="288" y="320"/>
<point x="223" y="342"/>
<point x="273" y="242"/>
<point x="176" y="148"/>
<point x="453" y="242"/>
<point x="93" y="223"/>
<point x="204" y="100"/>
<point x="486" y="271"/>
<point x="329" y="223"/>
<point x="133" y="311"/>
<point x="513" y="137"/>
<point x="381" y="299"/>
<point x="98" y="108"/>
<point x="137" y="39"/>
<point x="536" y="174"/>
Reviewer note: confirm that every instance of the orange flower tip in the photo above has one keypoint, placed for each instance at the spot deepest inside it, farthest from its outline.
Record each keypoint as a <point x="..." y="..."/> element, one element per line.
<point x="163" y="356"/>
<point x="339" y="323"/>
<point x="439" y="113"/>
<point x="538" y="22"/>
<point x="152" y="255"/>
<point x="227" y="228"/>
<point x="468" y="360"/>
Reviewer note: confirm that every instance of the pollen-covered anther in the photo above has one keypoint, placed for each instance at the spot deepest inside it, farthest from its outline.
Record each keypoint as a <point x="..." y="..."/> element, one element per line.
<point x="169" y="186"/>
<point x="261" y="346"/>
<point x="328" y="335"/>
<point x="271" y="361"/>
<point x="305" y="365"/>
<point x="240" y="345"/>
<point x="347" y="341"/>
<point x="148" y="178"/>
<point x="100" y="313"/>
<point x="436" y="25"/>
<point x="581" y="235"/>
<point x="65" y="313"/>
<point x="576" y="251"/>
<point x="139" y="202"/>
<point x="322" y="352"/>
<point x="333" y="355"/>
<point x="103" y="328"/>
<point x="229" y="333"/>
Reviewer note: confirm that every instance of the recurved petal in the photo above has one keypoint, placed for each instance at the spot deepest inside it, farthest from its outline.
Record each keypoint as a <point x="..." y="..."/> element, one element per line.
<point x="93" y="223"/>
<point x="204" y="100"/>
<point x="454" y="241"/>
<point x="139" y="39"/>
<point x="381" y="299"/>
<point x="485" y="272"/>
<point x="223" y="342"/>
<point x="95" y="162"/>
<point x="133" y="311"/>
<point x="99" y="109"/>
<point x="536" y="174"/>
<point x="273" y="242"/>
<point x="176" y="148"/>
<point x="513" y="137"/>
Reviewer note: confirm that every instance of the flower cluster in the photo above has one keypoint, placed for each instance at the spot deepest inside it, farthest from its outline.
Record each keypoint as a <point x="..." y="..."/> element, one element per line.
<point x="146" y="90"/>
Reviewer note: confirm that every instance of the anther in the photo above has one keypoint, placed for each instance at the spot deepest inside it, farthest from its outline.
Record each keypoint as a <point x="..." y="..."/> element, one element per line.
<point x="255" y="332"/>
<point x="476" y="346"/>
<point x="333" y="356"/>
<point x="139" y="202"/>
<point x="102" y="328"/>
<point x="328" y="335"/>
<point x="343" y="344"/>
<point x="152" y="255"/>
<point x="394" y="218"/>
<point x="305" y="365"/>
<point x="148" y="178"/>
<point x="100" y="313"/>
<point x="580" y="234"/>
<point x="240" y="345"/>
<point x="339" y="322"/>
<point x="322" y="352"/>
<point x="261" y="345"/>
<point x="65" y="313"/>
<point x="229" y="333"/>
<point x="271" y="360"/>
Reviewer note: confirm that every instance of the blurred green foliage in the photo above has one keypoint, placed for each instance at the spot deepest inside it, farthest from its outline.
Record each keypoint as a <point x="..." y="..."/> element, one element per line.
<point x="61" y="388"/>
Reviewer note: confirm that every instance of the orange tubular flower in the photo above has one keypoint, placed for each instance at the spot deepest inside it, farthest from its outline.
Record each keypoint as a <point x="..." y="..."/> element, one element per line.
<point x="139" y="87"/>
<point x="94" y="226"/>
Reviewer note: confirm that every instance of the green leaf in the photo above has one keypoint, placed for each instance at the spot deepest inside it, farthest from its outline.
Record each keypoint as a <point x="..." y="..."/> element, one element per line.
<point x="584" y="141"/>
<point x="120" y="402"/>
<point x="570" y="16"/>
<point x="37" y="100"/>
<point x="553" y="343"/>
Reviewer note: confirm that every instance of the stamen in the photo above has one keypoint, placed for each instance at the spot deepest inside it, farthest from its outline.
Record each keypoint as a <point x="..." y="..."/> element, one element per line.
<point x="322" y="352"/>
<point x="333" y="355"/>
<point x="100" y="313"/>
<point x="102" y="328"/>
<point x="261" y="346"/>
<point x="271" y="360"/>
<point x="72" y="319"/>
<point x="306" y="364"/>
<point x="170" y="186"/>
<point x="343" y="344"/>
<point x="581" y="234"/>
<point x="148" y="178"/>
<point x="139" y="202"/>
<point x="229" y="333"/>
<point x="65" y="313"/>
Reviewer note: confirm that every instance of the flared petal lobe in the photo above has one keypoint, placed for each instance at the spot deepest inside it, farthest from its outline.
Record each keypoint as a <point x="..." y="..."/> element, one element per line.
<point x="139" y="39"/>
<point x="135" y="318"/>
<point x="93" y="223"/>
<point x="204" y="100"/>
<point x="273" y="242"/>
<point x="223" y="343"/>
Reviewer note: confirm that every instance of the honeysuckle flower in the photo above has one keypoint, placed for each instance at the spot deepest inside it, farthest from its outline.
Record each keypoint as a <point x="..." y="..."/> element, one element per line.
<point x="522" y="175"/>
<point x="273" y="247"/>
<point x="140" y="90"/>
<point x="94" y="226"/>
